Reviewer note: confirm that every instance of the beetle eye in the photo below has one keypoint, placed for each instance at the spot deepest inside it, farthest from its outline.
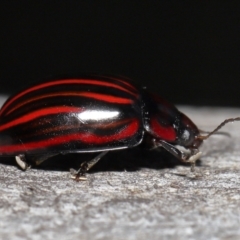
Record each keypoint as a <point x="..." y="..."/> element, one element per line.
<point x="187" y="131"/>
<point x="185" y="135"/>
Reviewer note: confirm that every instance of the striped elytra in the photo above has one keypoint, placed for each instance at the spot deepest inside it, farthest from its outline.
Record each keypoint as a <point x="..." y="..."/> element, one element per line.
<point x="72" y="115"/>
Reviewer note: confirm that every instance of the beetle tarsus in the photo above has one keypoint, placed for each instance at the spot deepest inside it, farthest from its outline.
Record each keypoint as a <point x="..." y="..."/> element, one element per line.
<point x="193" y="166"/>
<point x="22" y="162"/>
<point x="80" y="175"/>
<point x="195" y="155"/>
<point x="186" y="155"/>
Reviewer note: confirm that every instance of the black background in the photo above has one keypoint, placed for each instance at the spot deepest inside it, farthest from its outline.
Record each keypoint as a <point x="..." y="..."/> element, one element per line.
<point x="188" y="52"/>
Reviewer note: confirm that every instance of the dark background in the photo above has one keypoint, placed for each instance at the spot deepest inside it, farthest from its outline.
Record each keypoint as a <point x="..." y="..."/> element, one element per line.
<point x="187" y="52"/>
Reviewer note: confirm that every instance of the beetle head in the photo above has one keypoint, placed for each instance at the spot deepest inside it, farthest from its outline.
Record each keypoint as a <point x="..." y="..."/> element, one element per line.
<point x="187" y="133"/>
<point x="165" y="122"/>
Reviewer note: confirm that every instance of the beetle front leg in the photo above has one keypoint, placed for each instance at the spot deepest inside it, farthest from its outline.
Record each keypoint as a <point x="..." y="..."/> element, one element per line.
<point x="188" y="155"/>
<point x="80" y="175"/>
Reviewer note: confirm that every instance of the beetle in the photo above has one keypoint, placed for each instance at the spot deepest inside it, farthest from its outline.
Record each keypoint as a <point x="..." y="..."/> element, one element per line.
<point x="93" y="113"/>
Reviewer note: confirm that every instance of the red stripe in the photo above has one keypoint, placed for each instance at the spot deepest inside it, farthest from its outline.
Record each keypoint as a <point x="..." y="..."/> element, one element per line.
<point x="106" y="98"/>
<point x="103" y="97"/>
<point x="87" y="138"/>
<point x="40" y="113"/>
<point x="125" y="82"/>
<point x="64" y="81"/>
<point x="162" y="132"/>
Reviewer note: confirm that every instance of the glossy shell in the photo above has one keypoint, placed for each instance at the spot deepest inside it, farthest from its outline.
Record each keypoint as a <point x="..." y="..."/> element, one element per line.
<point x="84" y="114"/>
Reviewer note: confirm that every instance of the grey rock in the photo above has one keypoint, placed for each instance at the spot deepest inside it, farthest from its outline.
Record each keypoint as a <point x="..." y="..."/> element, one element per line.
<point x="124" y="201"/>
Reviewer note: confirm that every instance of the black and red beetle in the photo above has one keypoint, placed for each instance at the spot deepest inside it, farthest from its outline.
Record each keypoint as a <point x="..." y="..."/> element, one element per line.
<point x="93" y="114"/>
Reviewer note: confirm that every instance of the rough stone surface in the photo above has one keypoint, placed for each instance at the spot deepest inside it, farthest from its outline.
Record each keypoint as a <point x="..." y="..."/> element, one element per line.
<point x="132" y="194"/>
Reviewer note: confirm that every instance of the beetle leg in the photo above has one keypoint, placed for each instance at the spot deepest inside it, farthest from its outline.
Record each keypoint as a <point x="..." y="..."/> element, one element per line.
<point x="41" y="158"/>
<point x="85" y="166"/>
<point x="184" y="154"/>
<point x="22" y="162"/>
<point x="36" y="160"/>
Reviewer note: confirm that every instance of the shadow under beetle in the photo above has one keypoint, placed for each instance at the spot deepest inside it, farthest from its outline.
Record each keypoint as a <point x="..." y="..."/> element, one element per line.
<point x="93" y="114"/>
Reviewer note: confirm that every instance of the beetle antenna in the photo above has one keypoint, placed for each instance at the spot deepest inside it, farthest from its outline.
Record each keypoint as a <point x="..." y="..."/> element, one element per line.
<point x="201" y="137"/>
<point x="216" y="133"/>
